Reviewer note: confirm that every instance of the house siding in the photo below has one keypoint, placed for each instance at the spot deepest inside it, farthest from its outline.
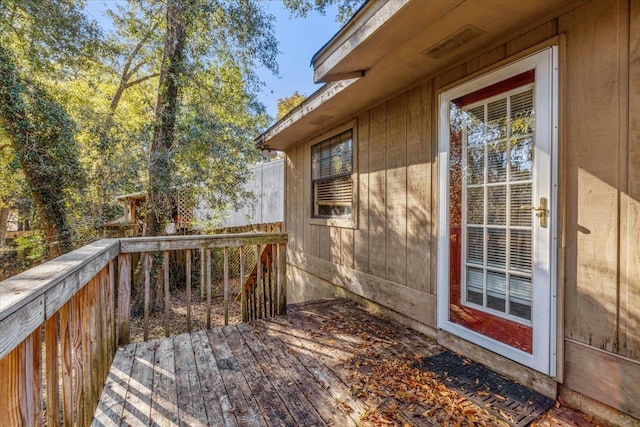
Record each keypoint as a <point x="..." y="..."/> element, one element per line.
<point x="390" y="257"/>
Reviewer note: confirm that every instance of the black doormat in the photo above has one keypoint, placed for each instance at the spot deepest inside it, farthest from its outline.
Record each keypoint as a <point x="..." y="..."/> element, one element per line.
<point x="514" y="403"/>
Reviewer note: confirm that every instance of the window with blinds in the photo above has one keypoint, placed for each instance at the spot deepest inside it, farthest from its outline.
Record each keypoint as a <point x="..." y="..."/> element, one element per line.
<point x="331" y="169"/>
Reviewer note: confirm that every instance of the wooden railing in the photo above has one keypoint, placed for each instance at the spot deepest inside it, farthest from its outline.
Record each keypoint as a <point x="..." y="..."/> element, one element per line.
<point x="60" y="321"/>
<point x="272" y="271"/>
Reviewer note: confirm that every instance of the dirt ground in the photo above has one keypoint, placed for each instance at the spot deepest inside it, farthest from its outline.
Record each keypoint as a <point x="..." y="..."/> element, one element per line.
<point x="178" y="312"/>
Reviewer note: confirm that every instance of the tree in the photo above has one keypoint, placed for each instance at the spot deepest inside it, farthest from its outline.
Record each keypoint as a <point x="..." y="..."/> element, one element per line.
<point x="346" y="8"/>
<point x="42" y="40"/>
<point x="289" y="103"/>
<point x="203" y="39"/>
<point x="41" y="134"/>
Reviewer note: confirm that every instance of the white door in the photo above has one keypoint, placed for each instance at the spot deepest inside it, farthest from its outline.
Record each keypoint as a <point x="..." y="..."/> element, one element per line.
<point x="496" y="283"/>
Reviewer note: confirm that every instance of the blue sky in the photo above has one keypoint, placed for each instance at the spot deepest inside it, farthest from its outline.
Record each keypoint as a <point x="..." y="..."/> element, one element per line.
<point x="298" y="38"/>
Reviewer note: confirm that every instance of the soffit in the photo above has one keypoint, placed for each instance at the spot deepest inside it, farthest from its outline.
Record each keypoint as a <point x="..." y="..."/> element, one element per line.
<point x="394" y="57"/>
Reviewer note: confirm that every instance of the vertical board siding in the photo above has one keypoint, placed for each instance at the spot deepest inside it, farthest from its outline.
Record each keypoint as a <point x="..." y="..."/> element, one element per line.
<point x="396" y="191"/>
<point x="306" y="200"/>
<point x="537" y="35"/>
<point x="419" y="167"/>
<point x="592" y="182"/>
<point x="629" y="287"/>
<point x="361" y="234"/>
<point x="377" y="191"/>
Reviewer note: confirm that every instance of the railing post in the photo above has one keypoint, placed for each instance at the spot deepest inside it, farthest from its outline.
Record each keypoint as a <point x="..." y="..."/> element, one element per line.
<point x="124" y="298"/>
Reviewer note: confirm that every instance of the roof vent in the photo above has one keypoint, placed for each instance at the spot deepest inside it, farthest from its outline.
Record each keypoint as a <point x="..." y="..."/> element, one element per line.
<point x="454" y="41"/>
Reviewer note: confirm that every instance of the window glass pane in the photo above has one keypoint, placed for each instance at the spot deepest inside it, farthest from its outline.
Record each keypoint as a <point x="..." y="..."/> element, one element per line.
<point x="331" y="164"/>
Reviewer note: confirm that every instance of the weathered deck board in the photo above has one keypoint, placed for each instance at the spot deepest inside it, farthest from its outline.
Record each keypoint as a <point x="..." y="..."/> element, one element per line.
<point x="293" y="370"/>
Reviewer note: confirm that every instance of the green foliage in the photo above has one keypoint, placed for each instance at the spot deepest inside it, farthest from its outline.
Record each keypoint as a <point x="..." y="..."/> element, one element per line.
<point x="31" y="248"/>
<point x="346" y="8"/>
<point x="285" y="105"/>
<point x="42" y="136"/>
<point x="48" y="34"/>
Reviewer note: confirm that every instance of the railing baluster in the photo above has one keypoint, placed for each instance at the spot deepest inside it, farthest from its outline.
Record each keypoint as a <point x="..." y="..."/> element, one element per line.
<point x="104" y="326"/>
<point x="272" y="282"/>
<point x="147" y="294"/>
<point x="67" y="375"/>
<point x="208" y="280"/>
<point x="226" y="285"/>
<point x="33" y="377"/>
<point x="188" y="286"/>
<point x="282" y="278"/>
<point x="202" y="273"/>
<point x="52" y="371"/>
<point x="78" y="362"/>
<point x="86" y="353"/>
<point x="167" y="307"/>
<point x="243" y="293"/>
<point x="95" y="337"/>
<point x="124" y="298"/>
<point x="112" y="310"/>
<point x="258" y="287"/>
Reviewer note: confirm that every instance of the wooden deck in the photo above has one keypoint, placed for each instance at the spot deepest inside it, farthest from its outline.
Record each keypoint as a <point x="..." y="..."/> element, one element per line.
<point x="325" y="363"/>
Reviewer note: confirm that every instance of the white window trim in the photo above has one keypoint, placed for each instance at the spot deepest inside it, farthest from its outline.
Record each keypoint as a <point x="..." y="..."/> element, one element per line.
<point x="543" y="358"/>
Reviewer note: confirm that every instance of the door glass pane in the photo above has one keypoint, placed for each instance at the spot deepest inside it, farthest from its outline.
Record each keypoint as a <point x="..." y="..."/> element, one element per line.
<point x="475" y="165"/>
<point x="475" y="285"/>
<point x="522" y="113"/>
<point x="520" y="251"/>
<point x="475" y="245"/>
<point x="475" y="203"/>
<point x="520" y="294"/>
<point x="497" y="119"/>
<point x="497" y="158"/>
<point x="496" y="290"/>
<point x="497" y="205"/>
<point x="497" y="248"/>
<point x="520" y="196"/>
<point x="521" y="159"/>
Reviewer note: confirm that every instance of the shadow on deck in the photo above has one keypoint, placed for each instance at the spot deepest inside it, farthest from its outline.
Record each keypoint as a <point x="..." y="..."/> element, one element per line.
<point x="325" y="363"/>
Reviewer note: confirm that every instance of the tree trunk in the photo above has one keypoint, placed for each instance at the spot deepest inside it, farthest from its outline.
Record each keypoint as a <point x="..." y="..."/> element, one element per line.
<point x="158" y="206"/>
<point x="4" y="217"/>
<point x="171" y="72"/>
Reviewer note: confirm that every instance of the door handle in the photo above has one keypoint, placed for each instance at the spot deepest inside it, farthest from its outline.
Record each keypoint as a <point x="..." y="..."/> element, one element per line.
<point x="542" y="209"/>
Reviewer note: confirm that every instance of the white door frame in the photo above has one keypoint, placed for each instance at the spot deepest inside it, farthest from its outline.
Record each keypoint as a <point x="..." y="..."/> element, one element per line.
<point x="543" y="357"/>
